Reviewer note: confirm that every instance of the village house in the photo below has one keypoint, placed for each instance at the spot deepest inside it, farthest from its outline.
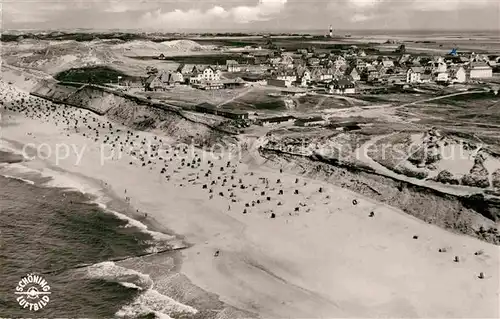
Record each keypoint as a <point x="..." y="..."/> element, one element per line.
<point x="212" y="109"/>
<point x="457" y="74"/>
<point x="233" y="83"/>
<point x="436" y="67"/>
<point x="342" y="86"/>
<point x="185" y="69"/>
<point x="441" y="77"/>
<point x="353" y="73"/>
<point x="233" y="66"/>
<point x="286" y="75"/>
<point x="209" y="85"/>
<point x="201" y="74"/>
<point x="312" y="121"/>
<point x="287" y="119"/>
<point x="162" y="80"/>
<point x="414" y="75"/>
<point x="153" y="83"/>
<point x="360" y="64"/>
<point x="387" y="63"/>
<point x="480" y="70"/>
<point x="370" y="74"/>
<point x="321" y="74"/>
<point x="426" y="77"/>
<point x="337" y="73"/>
<point x="303" y="76"/>
<point x="339" y="62"/>
<point x="382" y="70"/>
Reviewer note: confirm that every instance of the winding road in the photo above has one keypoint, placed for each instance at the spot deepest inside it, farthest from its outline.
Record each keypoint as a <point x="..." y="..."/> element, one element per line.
<point x="362" y="155"/>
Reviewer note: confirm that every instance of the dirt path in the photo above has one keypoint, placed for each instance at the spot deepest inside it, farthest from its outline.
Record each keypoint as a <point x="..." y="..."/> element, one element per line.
<point x="362" y="155"/>
<point x="440" y="98"/>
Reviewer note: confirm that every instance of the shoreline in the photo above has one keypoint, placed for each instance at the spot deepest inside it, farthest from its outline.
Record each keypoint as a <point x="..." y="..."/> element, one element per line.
<point x="267" y="266"/>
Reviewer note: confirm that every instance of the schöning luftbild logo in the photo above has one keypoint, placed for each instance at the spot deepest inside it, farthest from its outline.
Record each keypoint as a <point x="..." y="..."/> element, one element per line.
<point x="33" y="292"/>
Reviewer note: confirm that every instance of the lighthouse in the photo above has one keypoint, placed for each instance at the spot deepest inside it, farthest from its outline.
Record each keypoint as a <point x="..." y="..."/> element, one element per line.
<point x="331" y="31"/>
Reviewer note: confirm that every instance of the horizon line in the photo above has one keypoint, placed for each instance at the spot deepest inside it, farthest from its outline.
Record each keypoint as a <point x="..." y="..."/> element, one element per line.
<point x="298" y="31"/>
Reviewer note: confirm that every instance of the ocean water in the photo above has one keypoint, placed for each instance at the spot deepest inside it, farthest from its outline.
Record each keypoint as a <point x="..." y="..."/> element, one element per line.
<point x="51" y="232"/>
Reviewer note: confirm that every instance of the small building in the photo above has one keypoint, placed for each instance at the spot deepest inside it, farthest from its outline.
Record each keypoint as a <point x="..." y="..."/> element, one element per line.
<point x="312" y="121"/>
<point x="370" y="74"/>
<point x="286" y="76"/>
<point x="388" y="63"/>
<point x="321" y="74"/>
<point x="212" y="109"/>
<point x="253" y="77"/>
<point x="303" y="76"/>
<point x="233" y="66"/>
<point x="353" y="73"/>
<point x="442" y="77"/>
<point x="204" y="74"/>
<point x="276" y="120"/>
<point x="153" y="83"/>
<point x="414" y="75"/>
<point x="342" y="86"/>
<point x="426" y="77"/>
<point x="158" y="82"/>
<point x="233" y="84"/>
<point x="209" y="85"/>
<point x="479" y="70"/>
<point x="457" y="75"/>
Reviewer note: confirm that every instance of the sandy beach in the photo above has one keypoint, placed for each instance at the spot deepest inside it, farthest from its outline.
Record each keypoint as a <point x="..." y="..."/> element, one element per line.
<point x="264" y="241"/>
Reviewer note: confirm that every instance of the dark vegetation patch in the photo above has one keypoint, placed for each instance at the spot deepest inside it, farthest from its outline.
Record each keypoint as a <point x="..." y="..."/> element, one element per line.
<point x="460" y="99"/>
<point x="94" y="75"/>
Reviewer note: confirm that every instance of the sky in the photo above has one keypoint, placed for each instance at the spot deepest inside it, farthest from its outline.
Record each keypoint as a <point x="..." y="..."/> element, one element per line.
<point x="251" y="15"/>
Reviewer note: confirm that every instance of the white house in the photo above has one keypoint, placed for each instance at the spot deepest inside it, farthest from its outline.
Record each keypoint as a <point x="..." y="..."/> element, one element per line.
<point x="354" y="74"/>
<point x="204" y="74"/>
<point x="436" y="67"/>
<point x="286" y="76"/>
<point x="414" y="75"/>
<point x="304" y="76"/>
<point x="457" y="75"/>
<point x="480" y="70"/>
<point x="442" y="77"/>
<point x="342" y="86"/>
<point x="388" y="63"/>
